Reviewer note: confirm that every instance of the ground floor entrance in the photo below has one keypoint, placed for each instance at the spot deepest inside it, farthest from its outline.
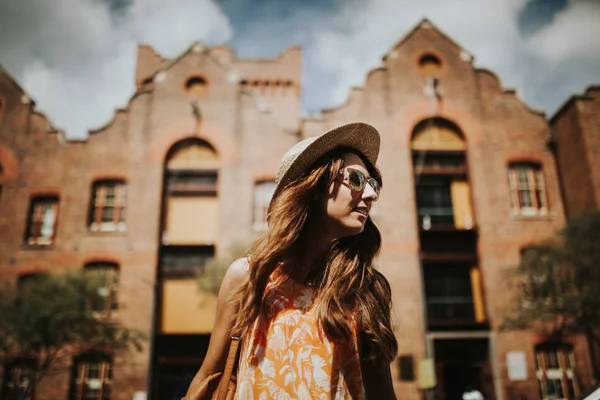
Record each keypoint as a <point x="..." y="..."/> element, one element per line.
<point x="176" y="360"/>
<point x="463" y="363"/>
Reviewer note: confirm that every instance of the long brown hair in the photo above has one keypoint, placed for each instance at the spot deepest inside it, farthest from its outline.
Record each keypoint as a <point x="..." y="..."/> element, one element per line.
<point x="349" y="285"/>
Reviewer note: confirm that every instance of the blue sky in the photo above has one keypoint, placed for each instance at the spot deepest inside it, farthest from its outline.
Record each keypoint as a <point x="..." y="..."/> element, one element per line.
<point x="76" y="57"/>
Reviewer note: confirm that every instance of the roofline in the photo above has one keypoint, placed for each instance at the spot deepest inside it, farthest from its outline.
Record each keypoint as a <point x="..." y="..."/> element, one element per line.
<point x="571" y="100"/>
<point x="415" y="29"/>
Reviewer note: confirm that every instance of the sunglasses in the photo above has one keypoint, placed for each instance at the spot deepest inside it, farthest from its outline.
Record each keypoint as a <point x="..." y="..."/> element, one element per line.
<point x="356" y="180"/>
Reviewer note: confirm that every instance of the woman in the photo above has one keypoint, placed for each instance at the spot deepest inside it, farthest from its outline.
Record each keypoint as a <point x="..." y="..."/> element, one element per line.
<point x="312" y="312"/>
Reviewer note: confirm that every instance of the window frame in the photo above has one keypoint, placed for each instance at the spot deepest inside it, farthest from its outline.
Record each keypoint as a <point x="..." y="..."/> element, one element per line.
<point x="21" y="363"/>
<point x="35" y="215"/>
<point x="535" y="186"/>
<point x="98" y="202"/>
<point x="111" y="302"/>
<point x="79" y="380"/>
<point x="562" y="372"/>
<point x="260" y="208"/>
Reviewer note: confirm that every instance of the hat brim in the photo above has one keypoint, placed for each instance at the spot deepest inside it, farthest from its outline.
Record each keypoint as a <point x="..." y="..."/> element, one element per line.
<point x="358" y="136"/>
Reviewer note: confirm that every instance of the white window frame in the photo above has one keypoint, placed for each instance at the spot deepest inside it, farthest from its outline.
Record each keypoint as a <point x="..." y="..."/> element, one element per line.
<point x="99" y="200"/>
<point x="564" y="373"/>
<point x="262" y="193"/>
<point x="43" y="211"/>
<point x="535" y="183"/>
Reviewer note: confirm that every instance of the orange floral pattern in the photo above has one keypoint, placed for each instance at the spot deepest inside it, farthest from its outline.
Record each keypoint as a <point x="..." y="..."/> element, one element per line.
<point x="287" y="356"/>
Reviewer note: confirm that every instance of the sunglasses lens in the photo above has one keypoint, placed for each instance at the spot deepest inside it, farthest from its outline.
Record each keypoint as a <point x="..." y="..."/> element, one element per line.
<point x="374" y="185"/>
<point x="356" y="180"/>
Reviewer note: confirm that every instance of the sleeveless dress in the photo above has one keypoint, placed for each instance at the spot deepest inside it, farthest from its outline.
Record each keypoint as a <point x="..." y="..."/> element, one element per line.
<point x="287" y="356"/>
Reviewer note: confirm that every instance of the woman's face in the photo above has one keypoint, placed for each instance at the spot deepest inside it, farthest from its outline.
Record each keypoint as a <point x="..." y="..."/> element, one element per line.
<point x="347" y="210"/>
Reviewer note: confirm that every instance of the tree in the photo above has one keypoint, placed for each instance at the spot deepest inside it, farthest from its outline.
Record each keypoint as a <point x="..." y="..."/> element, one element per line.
<point x="210" y="277"/>
<point x="51" y="317"/>
<point x="561" y="283"/>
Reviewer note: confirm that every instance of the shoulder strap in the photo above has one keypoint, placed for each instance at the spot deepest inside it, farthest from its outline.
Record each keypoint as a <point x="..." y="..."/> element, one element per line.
<point x="228" y="371"/>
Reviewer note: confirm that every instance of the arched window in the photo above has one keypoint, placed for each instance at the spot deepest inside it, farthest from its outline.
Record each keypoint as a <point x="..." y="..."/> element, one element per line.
<point x="191" y="194"/>
<point x="430" y="65"/>
<point x="105" y="277"/>
<point x="527" y="188"/>
<point x="196" y="87"/>
<point x="91" y="377"/>
<point x="108" y="206"/>
<point x="442" y="189"/>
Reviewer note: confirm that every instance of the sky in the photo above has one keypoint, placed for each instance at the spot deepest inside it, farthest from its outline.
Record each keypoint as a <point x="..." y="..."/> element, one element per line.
<point x="76" y="58"/>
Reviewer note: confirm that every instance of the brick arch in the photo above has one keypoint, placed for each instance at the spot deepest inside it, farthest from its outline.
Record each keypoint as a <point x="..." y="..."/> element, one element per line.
<point x="221" y="141"/>
<point x="45" y="191"/>
<point x="100" y="258"/>
<point x="524" y="158"/>
<point x="109" y="177"/>
<point x="410" y="116"/>
<point x="9" y="163"/>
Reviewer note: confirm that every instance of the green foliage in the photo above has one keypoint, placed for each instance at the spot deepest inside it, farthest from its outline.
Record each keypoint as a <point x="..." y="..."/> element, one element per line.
<point x="51" y="317"/>
<point x="561" y="282"/>
<point x="210" y="277"/>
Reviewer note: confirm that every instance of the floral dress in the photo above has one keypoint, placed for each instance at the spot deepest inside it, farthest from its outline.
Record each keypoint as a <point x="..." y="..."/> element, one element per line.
<point x="287" y="356"/>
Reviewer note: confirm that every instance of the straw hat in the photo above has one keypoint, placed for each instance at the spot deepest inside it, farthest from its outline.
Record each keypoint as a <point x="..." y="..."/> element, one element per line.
<point x="358" y="136"/>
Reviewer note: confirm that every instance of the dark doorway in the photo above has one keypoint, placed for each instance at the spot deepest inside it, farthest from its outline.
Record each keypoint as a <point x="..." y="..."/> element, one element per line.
<point x="460" y="363"/>
<point x="177" y="359"/>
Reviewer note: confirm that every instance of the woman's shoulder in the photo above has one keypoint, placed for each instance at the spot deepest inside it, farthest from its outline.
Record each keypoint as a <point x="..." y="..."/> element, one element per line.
<point x="238" y="269"/>
<point x="236" y="274"/>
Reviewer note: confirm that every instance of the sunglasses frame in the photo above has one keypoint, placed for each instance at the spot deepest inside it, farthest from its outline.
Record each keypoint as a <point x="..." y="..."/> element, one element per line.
<point x="364" y="180"/>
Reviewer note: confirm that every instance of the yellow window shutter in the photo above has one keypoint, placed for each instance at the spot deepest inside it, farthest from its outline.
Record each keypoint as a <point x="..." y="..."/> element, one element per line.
<point x="192" y="220"/>
<point x="460" y="193"/>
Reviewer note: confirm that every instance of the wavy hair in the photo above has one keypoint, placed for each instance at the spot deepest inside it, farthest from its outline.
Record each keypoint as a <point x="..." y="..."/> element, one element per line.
<point x="349" y="283"/>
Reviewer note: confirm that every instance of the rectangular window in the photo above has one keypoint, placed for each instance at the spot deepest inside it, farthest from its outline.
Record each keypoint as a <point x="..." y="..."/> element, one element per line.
<point x="190" y="182"/>
<point x="108" y="208"/>
<point x="528" y="190"/>
<point x="449" y="292"/>
<point x="105" y="275"/>
<point x="19" y="379"/>
<point x="263" y="191"/>
<point x="41" y="226"/>
<point x="555" y="374"/>
<point x="434" y="202"/>
<point x="91" y="378"/>
<point x="185" y="260"/>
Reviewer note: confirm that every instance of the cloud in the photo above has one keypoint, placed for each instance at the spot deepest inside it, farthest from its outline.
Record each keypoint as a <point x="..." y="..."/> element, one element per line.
<point x="77" y="58"/>
<point x="546" y="68"/>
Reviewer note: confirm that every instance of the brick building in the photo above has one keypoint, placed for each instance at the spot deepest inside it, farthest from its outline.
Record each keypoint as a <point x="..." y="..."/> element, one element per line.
<point x="576" y="128"/>
<point x="186" y="169"/>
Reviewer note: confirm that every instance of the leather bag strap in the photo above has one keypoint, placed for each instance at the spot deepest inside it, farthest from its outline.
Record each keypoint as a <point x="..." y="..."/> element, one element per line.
<point x="227" y="372"/>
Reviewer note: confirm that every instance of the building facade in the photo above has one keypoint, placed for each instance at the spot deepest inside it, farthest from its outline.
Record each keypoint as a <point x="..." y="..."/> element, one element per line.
<point x="187" y="168"/>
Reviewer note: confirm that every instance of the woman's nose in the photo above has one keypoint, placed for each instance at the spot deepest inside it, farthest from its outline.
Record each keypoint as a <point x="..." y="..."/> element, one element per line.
<point x="369" y="193"/>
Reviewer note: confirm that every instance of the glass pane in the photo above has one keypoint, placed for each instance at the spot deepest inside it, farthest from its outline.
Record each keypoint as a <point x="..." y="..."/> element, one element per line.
<point x="93" y="370"/>
<point x="109" y="194"/>
<point x="448" y="292"/>
<point x="48" y="217"/>
<point x="434" y="201"/>
<point x="552" y="359"/>
<point x="186" y="260"/>
<point x="554" y="389"/>
<point x="525" y="198"/>
<point x="523" y="178"/>
<point x="571" y="388"/>
<point x="108" y="214"/>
